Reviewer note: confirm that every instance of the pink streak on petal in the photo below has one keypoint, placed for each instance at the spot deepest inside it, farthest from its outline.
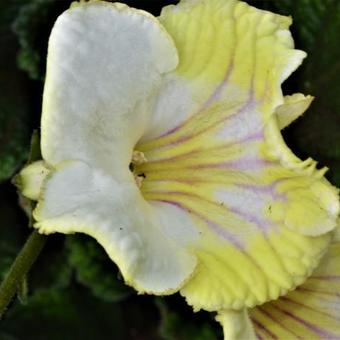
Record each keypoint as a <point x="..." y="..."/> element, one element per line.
<point x="263" y="311"/>
<point x="266" y="330"/>
<point x="262" y="224"/>
<point x="213" y="226"/>
<point x="213" y="97"/>
<point x="322" y="333"/>
<point x="264" y="189"/>
<point x="248" y="106"/>
<point x="240" y="164"/>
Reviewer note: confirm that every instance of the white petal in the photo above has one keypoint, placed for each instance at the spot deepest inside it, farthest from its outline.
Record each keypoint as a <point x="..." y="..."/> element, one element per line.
<point x="78" y="198"/>
<point x="104" y="65"/>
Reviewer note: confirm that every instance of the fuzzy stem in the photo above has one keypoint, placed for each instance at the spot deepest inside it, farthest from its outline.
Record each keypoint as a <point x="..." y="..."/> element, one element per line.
<point x="20" y="267"/>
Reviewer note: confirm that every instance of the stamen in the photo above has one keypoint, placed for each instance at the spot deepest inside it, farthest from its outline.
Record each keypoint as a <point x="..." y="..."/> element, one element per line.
<point x="138" y="158"/>
<point x="139" y="179"/>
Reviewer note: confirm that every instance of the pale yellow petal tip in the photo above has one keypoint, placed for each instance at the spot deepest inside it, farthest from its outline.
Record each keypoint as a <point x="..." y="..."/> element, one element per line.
<point x="130" y="280"/>
<point x="79" y="3"/>
<point x="236" y="325"/>
<point x="30" y="179"/>
<point x="75" y="4"/>
<point x="311" y="211"/>
<point x="294" y="106"/>
<point x="336" y="234"/>
<point x="285" y="21"/>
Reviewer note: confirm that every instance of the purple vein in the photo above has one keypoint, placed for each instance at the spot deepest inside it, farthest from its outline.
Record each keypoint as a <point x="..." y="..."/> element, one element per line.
<point x="269" y="315"/>
<point x="268" y="189"/>
<point x="289" y="300"/>
<point x="254" y="137"/>
<point x="260" y="224"/>
<point x="212" y="225"/>
<point x="305" y="323"/>
<point x="240" y="164"/>
<point x="206" y="104"/>
<point x="263" y="328"/>
<point x="243" y="109"/>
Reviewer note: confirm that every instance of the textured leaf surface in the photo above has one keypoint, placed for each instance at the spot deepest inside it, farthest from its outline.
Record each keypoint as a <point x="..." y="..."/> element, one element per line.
<point x="94" y="269"/>
<point x="12" y="235"/>
<point x="62" y="314"/>
<point x="178" y="324"/>
<point x="14" y="105"/>
<point x="52" y="269"/>
<point x="32" y="27"/>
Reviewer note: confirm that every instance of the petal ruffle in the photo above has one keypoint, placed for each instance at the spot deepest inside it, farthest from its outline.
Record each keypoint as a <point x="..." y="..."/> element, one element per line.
<point x="294" y="106"/>
<point x="224" y="161"/>
<point x="311" y="311"/>
<point x="78" y="198"/>
<point x="103" y="68"/>
<point x="231" y="55"/>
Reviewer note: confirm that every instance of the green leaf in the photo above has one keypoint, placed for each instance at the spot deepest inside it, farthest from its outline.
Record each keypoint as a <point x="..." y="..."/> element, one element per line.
<point x="63" y="314"/>
<point x="35" y="151"/>
<point x="176" y="324"/>
<point x="13" y="139"/>
<point x="11" y="235"/>
<point x="32" y="26"/>
<point x="95" y="270"/>
<point x="52" y="269"/>
<point x="14" y="100"/>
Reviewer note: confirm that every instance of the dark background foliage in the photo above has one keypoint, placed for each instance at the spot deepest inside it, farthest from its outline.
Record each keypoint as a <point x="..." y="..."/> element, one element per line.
<point x="74" y="291"/>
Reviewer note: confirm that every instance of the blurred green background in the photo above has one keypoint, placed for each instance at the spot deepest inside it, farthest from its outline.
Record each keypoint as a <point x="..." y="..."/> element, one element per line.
<point x="74" y="290"/>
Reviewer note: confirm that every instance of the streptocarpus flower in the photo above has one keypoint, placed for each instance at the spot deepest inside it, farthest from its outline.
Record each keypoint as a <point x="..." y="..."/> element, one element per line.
<point x="161" y="139"/>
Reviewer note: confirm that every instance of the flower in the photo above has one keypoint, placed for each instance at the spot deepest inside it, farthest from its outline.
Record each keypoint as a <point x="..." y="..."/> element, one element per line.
<point x="161" y="139"/>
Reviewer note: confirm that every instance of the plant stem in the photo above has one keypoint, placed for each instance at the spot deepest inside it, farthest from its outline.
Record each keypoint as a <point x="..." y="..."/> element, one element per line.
<point x="20" y="267"/>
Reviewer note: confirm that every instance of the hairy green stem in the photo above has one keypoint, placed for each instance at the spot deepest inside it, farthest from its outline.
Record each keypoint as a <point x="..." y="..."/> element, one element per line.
<point x="20" y="267"/>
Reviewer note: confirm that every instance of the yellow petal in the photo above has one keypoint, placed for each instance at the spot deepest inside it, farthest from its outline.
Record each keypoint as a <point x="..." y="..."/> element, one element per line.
<point x="336" y="234"/>
<point x="223" y="161"/>
<point x="236" y="325"/>
<point x="230" y="55"/>
<point x="311" y="311"/>
<point x="310" y="212"/>
<point x="294" y="106"/>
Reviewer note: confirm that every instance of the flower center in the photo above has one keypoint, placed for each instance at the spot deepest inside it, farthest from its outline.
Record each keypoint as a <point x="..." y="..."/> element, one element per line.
<point x="138" y="158"/>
